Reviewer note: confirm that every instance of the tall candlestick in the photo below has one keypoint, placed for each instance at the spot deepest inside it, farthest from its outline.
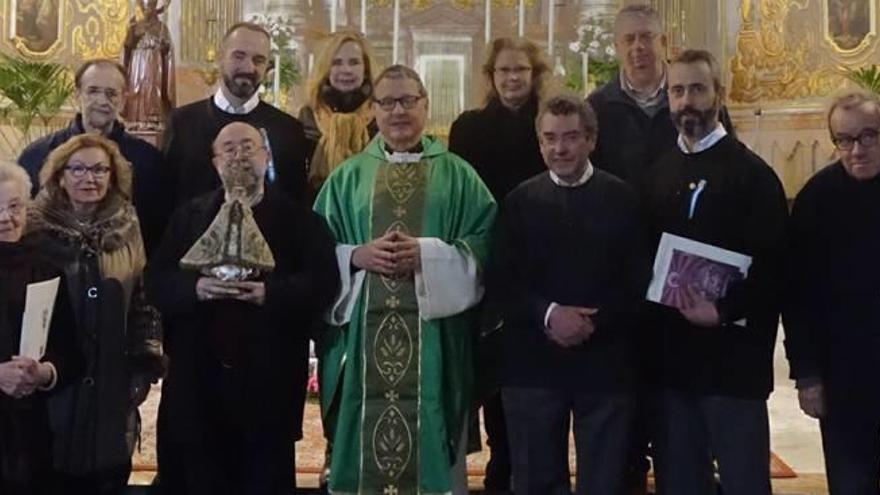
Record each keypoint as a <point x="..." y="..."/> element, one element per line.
<point x="521" y="25"/>
<point x="551" y="26"/>
<point x="364" y="17"/>
<point x="276" y="81"/>
<point x="585" y="62"/>
<point x="488" y="15"/>
<point x="395" y="51"/>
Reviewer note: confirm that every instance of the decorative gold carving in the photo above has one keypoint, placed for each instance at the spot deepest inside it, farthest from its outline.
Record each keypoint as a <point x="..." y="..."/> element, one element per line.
<point x="202" y="24"/>
<point x="459" y="4"/>
<point x="769" y="64"/>
<point x="102" y="32"/>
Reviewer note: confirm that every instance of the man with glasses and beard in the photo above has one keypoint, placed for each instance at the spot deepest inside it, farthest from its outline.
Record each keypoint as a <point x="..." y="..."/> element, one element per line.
<point x="716" y="374"/>
<point x="243" y="61"/>
<point x="232" y="401"/>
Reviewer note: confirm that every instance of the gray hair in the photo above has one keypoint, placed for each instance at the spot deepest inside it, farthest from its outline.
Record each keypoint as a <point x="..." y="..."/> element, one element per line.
<point x="851" y="99"/>
<point x="398" y="72"/>
<point x="566" y="104"/>
<point x="641" y="11"/>
<point x="13" y="172"/>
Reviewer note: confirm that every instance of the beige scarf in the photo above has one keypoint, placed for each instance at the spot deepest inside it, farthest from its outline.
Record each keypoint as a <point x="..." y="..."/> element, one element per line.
<point x="342" y="135"/>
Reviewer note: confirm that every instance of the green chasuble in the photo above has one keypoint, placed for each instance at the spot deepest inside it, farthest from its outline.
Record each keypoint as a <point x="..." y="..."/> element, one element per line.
<point x="395" y="388"/>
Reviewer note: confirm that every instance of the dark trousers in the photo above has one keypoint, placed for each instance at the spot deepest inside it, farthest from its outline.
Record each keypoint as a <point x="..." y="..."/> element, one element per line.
<point x="538" y="423"/>
<point x="851" y="442"/>
<point x="695" y="430"/>
<point x="238" y="455"/>
<point x="498" y="467"/>
<point x="107" y="482"/>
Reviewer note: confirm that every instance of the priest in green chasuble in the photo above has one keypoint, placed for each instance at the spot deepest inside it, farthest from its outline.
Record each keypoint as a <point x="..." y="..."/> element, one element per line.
<point x="412" y="224"/>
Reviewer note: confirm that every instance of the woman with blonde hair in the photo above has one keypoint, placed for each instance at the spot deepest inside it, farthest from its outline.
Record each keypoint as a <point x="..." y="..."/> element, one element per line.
<point x="83" y="218"/>
<point x="338" y="119"/>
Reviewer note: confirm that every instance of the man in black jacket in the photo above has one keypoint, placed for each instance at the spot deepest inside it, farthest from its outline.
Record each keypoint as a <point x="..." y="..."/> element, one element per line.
<point x="232" y="401"/>
<point x="100" y="92"/>
<point x="832" y="320"/>
<point x="571" y="257"/>
<point x="243" y="59"/>
<point x="716" y="374"/>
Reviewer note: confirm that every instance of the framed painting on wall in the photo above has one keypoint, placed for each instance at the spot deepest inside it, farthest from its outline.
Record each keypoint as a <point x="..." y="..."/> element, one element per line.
<point x="850" y="25"/>
<point x="35" y="25"/>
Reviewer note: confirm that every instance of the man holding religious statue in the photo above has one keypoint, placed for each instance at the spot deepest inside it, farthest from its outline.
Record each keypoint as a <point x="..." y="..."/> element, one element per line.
<point x="240" y="276"/>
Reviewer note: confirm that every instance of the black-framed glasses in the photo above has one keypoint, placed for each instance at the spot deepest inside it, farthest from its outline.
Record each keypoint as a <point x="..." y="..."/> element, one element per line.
<point x="866" y="139"/>
<point x="408" y="102"/>
<point x="80" y="171"/>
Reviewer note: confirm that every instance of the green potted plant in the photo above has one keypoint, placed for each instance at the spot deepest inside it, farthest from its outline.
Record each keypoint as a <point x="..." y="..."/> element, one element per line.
<point x="31" y="91"/>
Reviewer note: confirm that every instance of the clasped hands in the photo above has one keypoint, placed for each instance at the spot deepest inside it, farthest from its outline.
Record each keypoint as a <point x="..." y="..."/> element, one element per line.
<point x="20" y="376"/>
<point x="209" y="288"/>
<point x="568" y="326"/>
<point x="393" y="254"/>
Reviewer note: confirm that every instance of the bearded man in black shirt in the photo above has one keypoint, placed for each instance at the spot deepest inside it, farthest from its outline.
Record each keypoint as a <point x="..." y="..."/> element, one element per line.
<point x="716" y="375"/>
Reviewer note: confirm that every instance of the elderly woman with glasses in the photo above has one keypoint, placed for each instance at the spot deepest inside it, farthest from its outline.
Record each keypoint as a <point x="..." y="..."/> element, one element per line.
<point x="26" y="381"/>
<point x="84" y="219"/>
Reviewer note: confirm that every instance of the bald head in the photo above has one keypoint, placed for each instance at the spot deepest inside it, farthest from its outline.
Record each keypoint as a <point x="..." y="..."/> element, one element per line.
<point x="240" y="157"/>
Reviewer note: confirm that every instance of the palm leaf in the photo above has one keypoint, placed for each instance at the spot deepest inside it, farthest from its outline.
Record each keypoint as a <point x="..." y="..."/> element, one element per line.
<point x="866" y="77"/>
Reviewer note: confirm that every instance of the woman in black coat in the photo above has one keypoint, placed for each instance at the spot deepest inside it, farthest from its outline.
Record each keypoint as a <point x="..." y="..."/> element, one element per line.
<point x="25" y="440"/>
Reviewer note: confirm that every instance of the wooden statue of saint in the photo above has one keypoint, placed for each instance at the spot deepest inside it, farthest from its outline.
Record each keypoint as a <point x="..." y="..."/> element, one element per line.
<point x="148" y="58"/>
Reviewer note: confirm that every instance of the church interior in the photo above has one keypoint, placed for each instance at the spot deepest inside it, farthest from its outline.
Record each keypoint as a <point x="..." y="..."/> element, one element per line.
<point x="781" y="61"/>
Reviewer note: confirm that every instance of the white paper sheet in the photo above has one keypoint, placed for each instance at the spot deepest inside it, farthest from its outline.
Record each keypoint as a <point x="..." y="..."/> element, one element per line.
<point x="37" y="318"/>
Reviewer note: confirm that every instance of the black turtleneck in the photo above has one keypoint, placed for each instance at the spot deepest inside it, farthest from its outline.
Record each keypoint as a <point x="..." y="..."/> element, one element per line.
<point x="832" y="319"/>
<point x="338" y="101"/>
<point x="500" y="143"/>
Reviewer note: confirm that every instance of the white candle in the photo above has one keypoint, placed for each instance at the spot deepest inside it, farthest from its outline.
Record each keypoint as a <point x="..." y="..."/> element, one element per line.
<point x="488" y="15"/>
<point x="396" y="33"/>
<point x="364" y="17"/>
<point x="332" y="16"/>
<point x="585" y="62"/>
<point x="276" y="83"/>
<point x="521" y="26"/>
<point x="551" y="26"/>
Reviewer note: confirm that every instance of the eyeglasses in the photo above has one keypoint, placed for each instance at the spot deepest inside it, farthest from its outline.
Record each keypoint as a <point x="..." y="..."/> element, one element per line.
<point x="408" y="102"/>
<point x="80" y="171"/>
<point x="13" y="209"/>
<point x="245" y="149"/>
<point x="511" y="71"/>
<point x="866" y="139"/>
<point x="92" y="92"/>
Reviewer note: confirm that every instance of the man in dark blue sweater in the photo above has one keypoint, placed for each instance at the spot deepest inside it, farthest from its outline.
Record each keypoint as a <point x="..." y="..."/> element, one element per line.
<point x="832" y="320"/>
<point x="716" y="375"/>
<point x="100" y="91"/>
<point x="573" y="269"/>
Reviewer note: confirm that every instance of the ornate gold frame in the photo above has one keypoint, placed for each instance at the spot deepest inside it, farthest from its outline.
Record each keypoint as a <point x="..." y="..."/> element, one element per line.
<point x="19" y="43"/>
<point x="865" y="43"/>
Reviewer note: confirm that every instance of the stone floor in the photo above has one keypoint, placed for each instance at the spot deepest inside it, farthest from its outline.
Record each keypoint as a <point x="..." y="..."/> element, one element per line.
<point x="794" y="438"/>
